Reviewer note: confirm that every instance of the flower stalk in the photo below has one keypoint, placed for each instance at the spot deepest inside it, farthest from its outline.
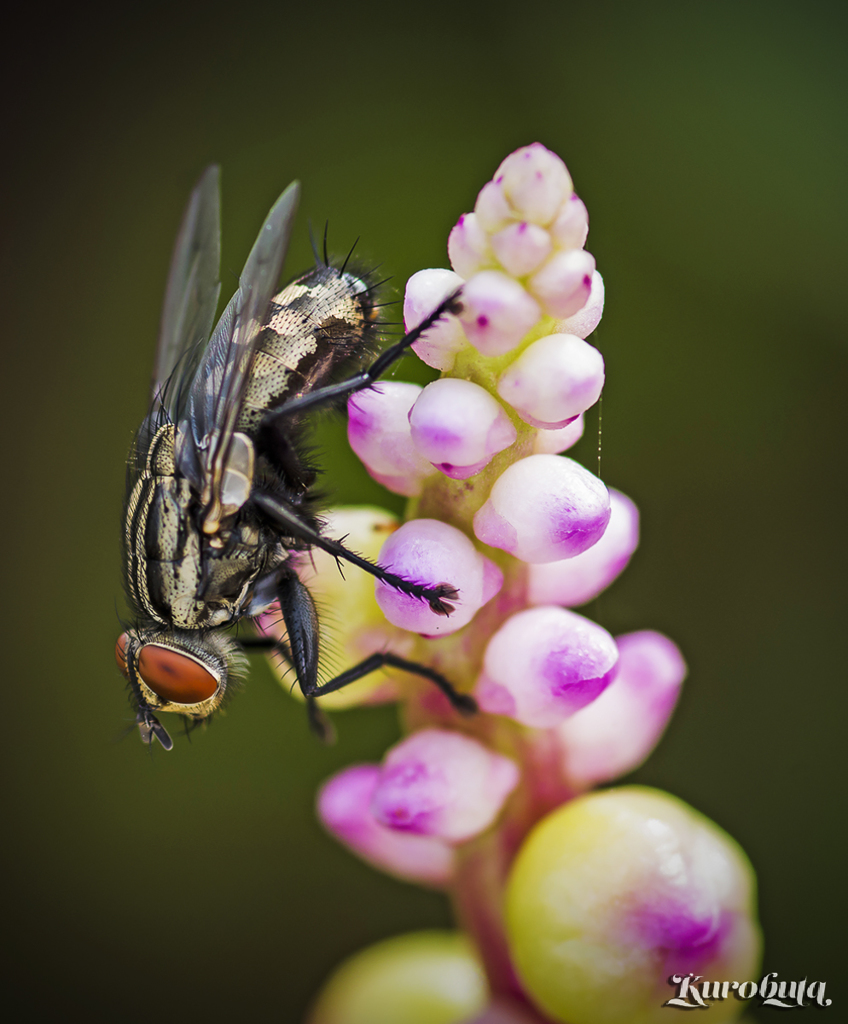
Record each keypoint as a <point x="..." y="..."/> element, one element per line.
<point x="525" y="534"/>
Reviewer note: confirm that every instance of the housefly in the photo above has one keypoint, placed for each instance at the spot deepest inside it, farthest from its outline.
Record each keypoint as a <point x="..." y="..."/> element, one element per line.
<point x="219" y="493"/>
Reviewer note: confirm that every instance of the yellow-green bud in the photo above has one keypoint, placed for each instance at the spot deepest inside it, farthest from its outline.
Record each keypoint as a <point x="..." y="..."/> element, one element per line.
<point x="422" y="978"/>
<point x="616" y="891"/>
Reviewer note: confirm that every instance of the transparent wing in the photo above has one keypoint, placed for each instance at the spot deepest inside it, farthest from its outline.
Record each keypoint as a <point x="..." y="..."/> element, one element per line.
<point x="191" y="296"/>
<point x="206" y="428"/>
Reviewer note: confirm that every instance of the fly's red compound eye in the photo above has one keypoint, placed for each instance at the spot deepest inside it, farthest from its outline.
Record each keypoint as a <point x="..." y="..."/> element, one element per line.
<point x="175" y="677"/>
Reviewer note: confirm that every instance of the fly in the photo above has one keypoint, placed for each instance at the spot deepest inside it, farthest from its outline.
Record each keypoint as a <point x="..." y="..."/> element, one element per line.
<point x="219" y="493"/>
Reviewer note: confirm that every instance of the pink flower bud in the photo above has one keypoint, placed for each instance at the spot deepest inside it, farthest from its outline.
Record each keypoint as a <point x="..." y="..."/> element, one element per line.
<point x="574" y="581"/>
<point x="535" y="182"/>
<point x="424" y="291"/>
<point x="521" y="248"/>
<point x="492" y="208"/>
<point x="429" y="551"/>
<point x="553" y="381"/>
<point x="552" y="442"/>
<point x="378" y="431"/>
<point x="571" y="225"/>
<point x="544" y="508"/>
<point x="616" y="733"/>
<point x="458" y="427"/>
<point x="344" y="807"/>
<point x="469" y="249"/>
<point x="442" y="784"/>
<point x="544" y="664"/>
<point x="585" y="320"/>
<point x="497" y="312"/>
<point x="564" y="283"/>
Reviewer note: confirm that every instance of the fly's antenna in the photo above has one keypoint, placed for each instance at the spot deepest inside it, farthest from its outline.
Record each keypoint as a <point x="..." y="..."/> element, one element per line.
<point x="326" y="257"/>
<point x="347" y="258"/>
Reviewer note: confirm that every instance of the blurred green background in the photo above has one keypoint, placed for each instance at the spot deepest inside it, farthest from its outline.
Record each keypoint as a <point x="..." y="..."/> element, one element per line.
<point x="708" y="140"/>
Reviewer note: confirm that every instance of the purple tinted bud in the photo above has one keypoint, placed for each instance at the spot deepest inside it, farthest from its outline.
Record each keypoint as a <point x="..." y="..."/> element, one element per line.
<point x="492" y="208"/>
<point x="564" y="283"/>
<point x="585" y="320"/>
<point x="574" y="581"/>
<point x="458" y="426"/>
<point x="378" y="431"/>
<point x="544" y="664"/>
<point x="522" y="248"/>
<point x="536" y="183"/>
<point x="616" y="733"/>
<point x="571" y="225"/>
<point x="424" y="291"/>
<point x="344" y="807"/>
<point x="553" y="381"/>
<point x="442" y="784"/>
<point x="551" y="442"/>
<point x="497" y="312"/>
<point x="428" y="551"/>
<point x="544" y="508"/>
<point x="469" y="249"/>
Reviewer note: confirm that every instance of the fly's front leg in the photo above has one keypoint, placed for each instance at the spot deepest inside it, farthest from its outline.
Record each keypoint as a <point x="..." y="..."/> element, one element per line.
<point x="333" y="392"/>
<point x="301" y="621"/>
<point x="287" y="520"/>
<point x="151" y="728"/>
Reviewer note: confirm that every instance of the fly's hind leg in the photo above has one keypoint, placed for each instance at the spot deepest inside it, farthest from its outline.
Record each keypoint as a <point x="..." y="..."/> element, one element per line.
<point x="464" y="703"/>
<point x="301" y="651"/>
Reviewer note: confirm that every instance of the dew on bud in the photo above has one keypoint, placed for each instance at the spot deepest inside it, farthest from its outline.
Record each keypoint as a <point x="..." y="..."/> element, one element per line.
<point x="458" y="427"/>
<point x="430" y="551"/>
<point x="544" y="508"/>
<point x="575" y="581"/>
<point x="545" y="664"/>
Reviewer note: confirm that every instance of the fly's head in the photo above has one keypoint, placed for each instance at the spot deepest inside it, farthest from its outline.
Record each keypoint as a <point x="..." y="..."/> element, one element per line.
<point x="176" y="670"/>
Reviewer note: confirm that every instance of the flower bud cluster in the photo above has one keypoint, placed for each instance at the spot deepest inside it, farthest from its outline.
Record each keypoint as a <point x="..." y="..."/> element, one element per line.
<point x="524" y="534"/>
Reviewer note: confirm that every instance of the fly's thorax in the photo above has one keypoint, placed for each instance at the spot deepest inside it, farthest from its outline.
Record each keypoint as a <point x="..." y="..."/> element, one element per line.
<point x="317" y="326"/>
<point x="176" y="575"/>
<point x="179" y="670"/>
